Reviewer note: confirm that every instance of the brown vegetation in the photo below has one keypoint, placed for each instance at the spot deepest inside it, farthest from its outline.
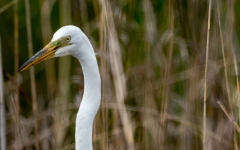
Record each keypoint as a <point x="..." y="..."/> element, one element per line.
<point x="156" y="87"/>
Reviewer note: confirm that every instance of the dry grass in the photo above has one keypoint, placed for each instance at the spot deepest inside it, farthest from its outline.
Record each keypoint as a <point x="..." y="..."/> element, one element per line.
<point x="2" y="106"/>
<point x="205" y="77"/>
<point x="156" y="91"/>
<point x="32" y="75"/>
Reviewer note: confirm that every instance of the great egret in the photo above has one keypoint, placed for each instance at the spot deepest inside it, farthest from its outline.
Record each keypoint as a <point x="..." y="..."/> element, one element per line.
<point x="70" y="40"/>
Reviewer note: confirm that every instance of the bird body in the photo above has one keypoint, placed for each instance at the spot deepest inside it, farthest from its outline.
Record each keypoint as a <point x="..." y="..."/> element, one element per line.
<point x="70" y="40"/>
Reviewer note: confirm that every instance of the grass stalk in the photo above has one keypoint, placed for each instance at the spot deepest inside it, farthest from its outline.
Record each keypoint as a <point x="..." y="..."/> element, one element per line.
<point x="223" y="53"/>
<point x="150" y="30"/>
<point x="2" y="107"/>
<point x="113" y="46"/>
<point x="46" y="37"/>
<point x="224" y="109"/>
<point x="105" y="76"/>
<point x="46" y="9"/>
<point x="231" y="19"/>
<point x="102" y="117"/>
<point x="62" y="95"/>
<point x="225" y="66"/>
<point x="16" y="66"/>
<point x="167" y="73"/>
<point x="8" y="5"/>
<point x="205" y="77"/>
<point x="84" y="15"/>
<point x="16" y="53"/>
<point x="32" y="74"/>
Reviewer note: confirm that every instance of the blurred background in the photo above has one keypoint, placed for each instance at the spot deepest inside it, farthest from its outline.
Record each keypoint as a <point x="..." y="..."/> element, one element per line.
<point x="151" y="55"/>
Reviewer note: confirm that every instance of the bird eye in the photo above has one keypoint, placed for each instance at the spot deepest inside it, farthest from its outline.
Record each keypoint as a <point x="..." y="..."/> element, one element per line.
<point x="68" y="39"/>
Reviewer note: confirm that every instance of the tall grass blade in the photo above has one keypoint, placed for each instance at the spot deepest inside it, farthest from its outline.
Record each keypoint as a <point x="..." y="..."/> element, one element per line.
<point x="205" y="77"/>
<point x="16" y="66"/>
<point x="62" y="94"/>
<point x="3" y="138"/>
<point x="32" y="74"/>
<point x="8" y="5"/>
<point x="46" y="10"/>
<point x="111" y="41"/>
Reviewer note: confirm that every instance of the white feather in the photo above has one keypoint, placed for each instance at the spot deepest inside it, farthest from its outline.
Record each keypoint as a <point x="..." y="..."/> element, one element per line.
<point x="81" y="49"/>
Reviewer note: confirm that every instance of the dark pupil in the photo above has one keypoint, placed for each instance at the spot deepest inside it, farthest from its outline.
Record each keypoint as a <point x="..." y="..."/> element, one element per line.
<point x="68" y="39"/>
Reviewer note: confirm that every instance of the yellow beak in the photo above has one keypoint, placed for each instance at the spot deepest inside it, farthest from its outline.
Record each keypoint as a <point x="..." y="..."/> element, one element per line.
<point x="47" y="52"/>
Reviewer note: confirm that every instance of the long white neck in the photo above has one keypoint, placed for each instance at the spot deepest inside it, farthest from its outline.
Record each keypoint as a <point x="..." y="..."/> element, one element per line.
<point x="91" y="97"/>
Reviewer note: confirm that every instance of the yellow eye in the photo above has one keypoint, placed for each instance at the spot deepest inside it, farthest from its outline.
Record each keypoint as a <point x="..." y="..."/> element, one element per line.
<point x="68" y="39"/>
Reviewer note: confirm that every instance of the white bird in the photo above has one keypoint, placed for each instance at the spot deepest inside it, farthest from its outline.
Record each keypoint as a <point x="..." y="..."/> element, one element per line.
<point x="70" y="40"/>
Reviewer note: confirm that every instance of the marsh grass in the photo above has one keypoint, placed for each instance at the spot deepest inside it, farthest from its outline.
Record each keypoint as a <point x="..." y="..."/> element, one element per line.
<point x="156" y="92"/>
<point x="3" y="141"/>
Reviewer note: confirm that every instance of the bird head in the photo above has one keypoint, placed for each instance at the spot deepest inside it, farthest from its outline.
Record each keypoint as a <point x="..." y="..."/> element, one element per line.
<point x="63" y="43"/>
